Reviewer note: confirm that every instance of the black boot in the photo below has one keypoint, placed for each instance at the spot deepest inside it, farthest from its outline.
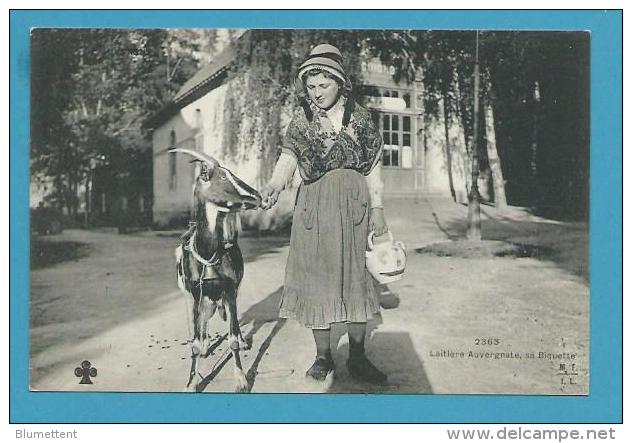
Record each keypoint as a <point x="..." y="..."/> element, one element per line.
<point x="322" y="366"/>
<point x="324" y="363"/>
<point x="358" y="364"/>
<point x="361" y="369"/>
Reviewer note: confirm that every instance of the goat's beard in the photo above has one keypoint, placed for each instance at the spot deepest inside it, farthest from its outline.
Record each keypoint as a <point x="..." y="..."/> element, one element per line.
<point x="214" y="214"/>
<point x="211" y="211"/>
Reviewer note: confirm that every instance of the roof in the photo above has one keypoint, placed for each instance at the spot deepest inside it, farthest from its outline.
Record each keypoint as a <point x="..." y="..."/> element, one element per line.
<point x="219" y="64"/>
<point x="205" y="80"/>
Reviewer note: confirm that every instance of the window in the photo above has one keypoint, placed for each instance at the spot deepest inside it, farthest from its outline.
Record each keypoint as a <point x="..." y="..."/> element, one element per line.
<point x="406" y="98"/>
<point x="395" y="94"/>
<point x="407" y="150"/>
<point x="390" y="134"/>
<point x="172" y="161"/>
<point x="406" y="124"/>
<point x="397" y="136"/>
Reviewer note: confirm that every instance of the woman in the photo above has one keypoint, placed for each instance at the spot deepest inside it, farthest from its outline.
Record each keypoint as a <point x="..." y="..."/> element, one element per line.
<point x="338" y="151"/>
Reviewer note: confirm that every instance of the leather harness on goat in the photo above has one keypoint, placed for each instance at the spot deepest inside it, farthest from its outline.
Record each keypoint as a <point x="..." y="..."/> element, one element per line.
<point x="212" y="262"/>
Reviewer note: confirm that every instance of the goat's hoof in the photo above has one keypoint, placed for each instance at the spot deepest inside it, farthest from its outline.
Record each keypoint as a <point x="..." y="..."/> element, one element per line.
<point x="204" y="347"/>
<point x="191" y="387"/>
<point x="241" y="384"/>
<point x="245" y="344"/>
<point x="196" y="347"/>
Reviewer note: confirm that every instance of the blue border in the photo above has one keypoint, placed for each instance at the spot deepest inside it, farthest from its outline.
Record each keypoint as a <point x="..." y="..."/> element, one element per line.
<point x="603" y="405"/>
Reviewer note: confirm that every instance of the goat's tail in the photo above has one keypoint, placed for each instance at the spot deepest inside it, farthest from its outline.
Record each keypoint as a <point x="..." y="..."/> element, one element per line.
<point x="180" y="268"/>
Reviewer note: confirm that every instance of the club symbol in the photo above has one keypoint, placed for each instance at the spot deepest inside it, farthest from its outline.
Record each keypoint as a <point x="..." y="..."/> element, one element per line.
<point x="85" y="372"/>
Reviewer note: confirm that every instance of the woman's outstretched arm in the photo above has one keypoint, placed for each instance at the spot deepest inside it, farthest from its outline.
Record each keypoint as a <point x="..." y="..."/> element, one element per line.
<point x="281" y="176"/>
<point x="376" y="186"/>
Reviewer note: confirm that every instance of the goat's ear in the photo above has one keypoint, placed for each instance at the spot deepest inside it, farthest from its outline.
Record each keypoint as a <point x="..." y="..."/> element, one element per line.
<point x="206" y="169"/>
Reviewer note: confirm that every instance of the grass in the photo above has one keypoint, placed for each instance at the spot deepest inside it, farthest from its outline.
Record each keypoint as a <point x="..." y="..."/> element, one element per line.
<point x="45" y="253"/>
<point x="485" y="248"/>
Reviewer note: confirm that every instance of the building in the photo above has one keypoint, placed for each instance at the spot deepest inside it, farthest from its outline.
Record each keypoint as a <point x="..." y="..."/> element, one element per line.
<point x="414" y="162"/>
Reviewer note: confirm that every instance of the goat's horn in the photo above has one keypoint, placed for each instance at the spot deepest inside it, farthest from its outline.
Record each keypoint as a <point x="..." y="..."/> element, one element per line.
<point x="199" y="155"/>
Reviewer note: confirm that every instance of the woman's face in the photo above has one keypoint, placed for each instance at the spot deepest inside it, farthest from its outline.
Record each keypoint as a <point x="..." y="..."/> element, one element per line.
<point x="322" y="90"/>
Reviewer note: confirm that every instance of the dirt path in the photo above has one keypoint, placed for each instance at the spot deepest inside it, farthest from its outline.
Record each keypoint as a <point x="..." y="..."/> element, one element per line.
<point x="119" y="309"/>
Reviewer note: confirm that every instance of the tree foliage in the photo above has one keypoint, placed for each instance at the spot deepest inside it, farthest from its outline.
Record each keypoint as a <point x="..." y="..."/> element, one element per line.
<point x="537" y="84"/>
<point x="92" y="91"/>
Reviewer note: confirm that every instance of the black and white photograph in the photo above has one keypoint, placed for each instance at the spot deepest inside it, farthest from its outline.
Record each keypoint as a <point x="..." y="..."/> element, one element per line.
<point x="379" y="211"/>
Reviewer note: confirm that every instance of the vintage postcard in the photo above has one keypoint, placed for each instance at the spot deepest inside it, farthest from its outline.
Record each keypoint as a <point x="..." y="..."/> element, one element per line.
<point x="296" y="211"/>
<point x="507" y="312"/>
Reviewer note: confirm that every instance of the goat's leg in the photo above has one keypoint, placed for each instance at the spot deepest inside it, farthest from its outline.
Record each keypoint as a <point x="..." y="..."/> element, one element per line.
<point x="203" y="310"/>
<point x="208" y="308"/>
<point x="234" y="341"/>
<point x="193" y="374"/>
<point x="235" y="328"/>
<point x="195" y="347"/>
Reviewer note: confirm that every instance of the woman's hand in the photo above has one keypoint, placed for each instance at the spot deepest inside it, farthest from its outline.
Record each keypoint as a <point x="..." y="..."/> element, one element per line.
<point x="377" y="221"/>
<point x="269" y="196"/>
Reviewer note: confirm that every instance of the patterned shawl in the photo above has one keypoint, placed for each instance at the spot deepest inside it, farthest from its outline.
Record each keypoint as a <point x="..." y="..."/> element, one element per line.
<point x="320" y="149"/>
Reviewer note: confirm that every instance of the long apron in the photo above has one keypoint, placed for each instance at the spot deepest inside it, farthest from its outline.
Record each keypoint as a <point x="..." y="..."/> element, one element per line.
<point x="326" y="280"/>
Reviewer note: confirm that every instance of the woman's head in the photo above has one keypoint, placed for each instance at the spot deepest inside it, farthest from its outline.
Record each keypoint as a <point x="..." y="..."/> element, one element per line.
<point x="323" y="88"/>
<point x="321" y="78"/>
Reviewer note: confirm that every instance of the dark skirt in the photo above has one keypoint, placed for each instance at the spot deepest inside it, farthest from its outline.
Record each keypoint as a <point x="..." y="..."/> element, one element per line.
<point x="326" y="280"/>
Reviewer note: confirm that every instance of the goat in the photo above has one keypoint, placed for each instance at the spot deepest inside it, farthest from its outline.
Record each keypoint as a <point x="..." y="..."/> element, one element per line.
<point x="209" y="263"/>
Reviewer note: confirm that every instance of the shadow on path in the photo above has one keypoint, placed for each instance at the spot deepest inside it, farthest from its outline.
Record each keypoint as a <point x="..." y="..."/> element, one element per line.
<point x="391" y="352"/>
<point x="266" y="311"/>
<point x="565" y="244"/>
<point x="122" y="279"/>
<point x="450" y="236"/>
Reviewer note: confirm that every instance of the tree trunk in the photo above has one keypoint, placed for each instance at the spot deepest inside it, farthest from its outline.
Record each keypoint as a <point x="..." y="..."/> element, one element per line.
<point x="534" y="145"/>
<point x="88" y="200"/>
<point x="464" y="142"/>
<point x="494" y="161"/>
<point x="448" y="152"/>
<point x="75" y="199"/>
<point x="474" y="229"/>
<point x="68" y="198"/>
